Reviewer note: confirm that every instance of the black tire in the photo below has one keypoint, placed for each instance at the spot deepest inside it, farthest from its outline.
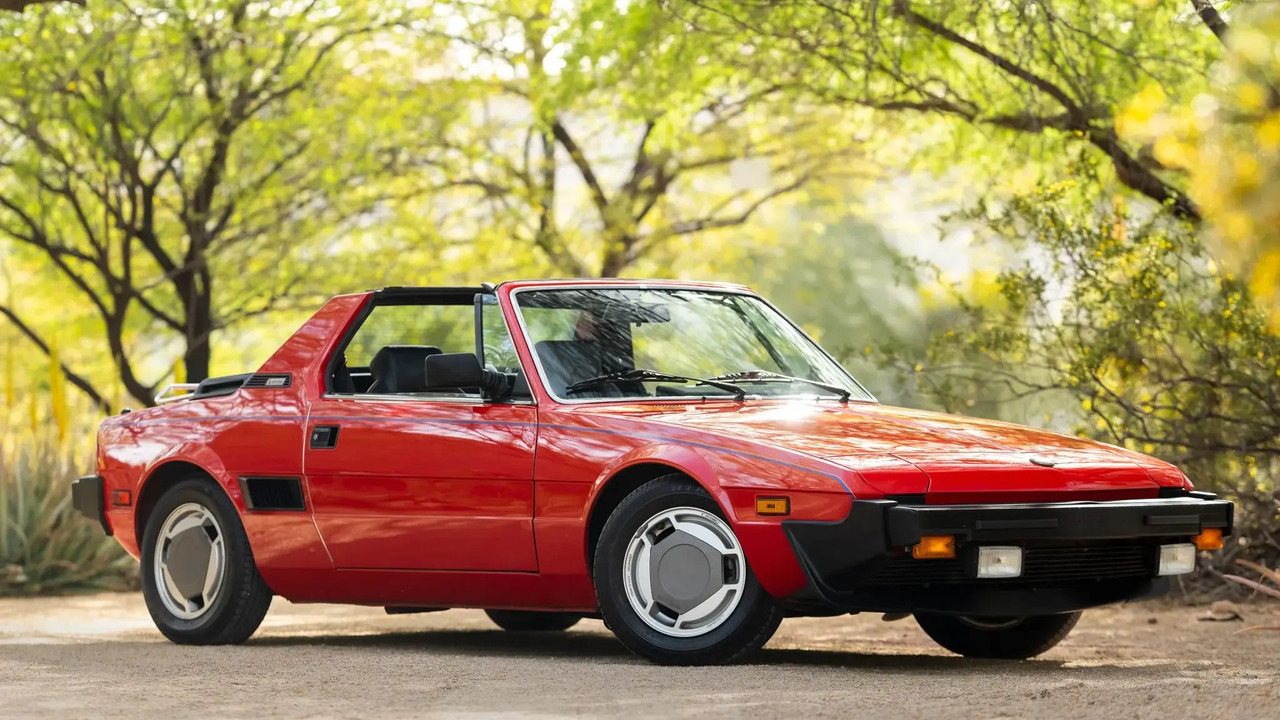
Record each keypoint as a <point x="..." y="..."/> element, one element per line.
<point x="532" y="620"/>
<point x="243" y="599"/>
<point x="1011" y="638"/>
<point x="746" y="630"/>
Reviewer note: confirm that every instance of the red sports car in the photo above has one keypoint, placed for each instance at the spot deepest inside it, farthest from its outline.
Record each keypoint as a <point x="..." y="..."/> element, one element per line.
<point x="675" y="458"/>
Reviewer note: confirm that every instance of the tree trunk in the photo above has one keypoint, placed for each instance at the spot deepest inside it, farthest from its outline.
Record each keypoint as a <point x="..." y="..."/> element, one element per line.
<point x="199" y="326"/>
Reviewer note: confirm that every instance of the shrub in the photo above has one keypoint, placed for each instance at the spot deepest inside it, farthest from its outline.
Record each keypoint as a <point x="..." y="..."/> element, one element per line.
<point x="45" y="545"/>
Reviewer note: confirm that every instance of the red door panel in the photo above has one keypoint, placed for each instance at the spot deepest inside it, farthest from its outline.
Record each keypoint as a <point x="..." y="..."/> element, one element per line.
<point x="424" y="484"/>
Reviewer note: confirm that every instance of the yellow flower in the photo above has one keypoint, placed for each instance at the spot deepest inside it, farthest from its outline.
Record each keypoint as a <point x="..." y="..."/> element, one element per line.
<point x="1269" y="132"/>
<point x="1251" y="96"/>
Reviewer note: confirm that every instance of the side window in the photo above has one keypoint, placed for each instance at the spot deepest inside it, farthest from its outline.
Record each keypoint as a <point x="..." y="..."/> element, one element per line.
<point x="387" y="354"/>
<point x="449" y="328"/>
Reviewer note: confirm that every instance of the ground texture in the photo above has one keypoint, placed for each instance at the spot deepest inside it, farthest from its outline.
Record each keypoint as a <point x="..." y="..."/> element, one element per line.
<point x="99" y="656"/>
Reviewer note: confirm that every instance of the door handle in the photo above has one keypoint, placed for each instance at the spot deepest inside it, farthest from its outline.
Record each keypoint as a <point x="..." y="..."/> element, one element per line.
<point x="324" y="437"/>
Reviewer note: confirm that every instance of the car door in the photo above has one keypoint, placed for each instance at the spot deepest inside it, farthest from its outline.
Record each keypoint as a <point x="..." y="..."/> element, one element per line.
<point x="404" y="479"/>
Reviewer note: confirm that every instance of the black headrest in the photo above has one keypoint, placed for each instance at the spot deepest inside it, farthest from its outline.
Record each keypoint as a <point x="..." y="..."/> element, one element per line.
<point x="568" y="361"/>
<point x="400" y="368"/>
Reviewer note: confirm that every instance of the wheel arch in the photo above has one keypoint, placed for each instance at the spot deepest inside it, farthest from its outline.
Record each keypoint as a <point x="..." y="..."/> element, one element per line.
<point x="158" y="480"/>
<point x="639" y="468"/>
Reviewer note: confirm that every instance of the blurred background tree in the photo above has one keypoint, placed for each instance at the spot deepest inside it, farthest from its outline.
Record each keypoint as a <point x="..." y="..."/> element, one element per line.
<point x="1227" y="138"/>
<point x="583" y="137"/>
<point x="1041" y="78"/>
<point x="168" y="167"/>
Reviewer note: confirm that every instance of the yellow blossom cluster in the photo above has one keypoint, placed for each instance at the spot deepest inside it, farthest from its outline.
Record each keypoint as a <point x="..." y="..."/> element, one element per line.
<point x="1229" y="143"/>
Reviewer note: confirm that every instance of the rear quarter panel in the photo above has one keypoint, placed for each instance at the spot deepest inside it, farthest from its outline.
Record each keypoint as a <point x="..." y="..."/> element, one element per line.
<point x="256" y="431"/>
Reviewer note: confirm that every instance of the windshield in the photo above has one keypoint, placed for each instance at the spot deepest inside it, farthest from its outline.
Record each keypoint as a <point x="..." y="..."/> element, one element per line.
<point x="586" y="341"/>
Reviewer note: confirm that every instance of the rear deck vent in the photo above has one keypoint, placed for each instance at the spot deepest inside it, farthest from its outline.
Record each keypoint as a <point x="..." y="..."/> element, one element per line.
<point x="273" y="493"/>
<point x="269" y="380"/>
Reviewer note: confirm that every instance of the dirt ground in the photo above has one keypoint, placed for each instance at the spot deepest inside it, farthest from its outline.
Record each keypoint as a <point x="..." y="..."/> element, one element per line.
<point x="99" y="656"/>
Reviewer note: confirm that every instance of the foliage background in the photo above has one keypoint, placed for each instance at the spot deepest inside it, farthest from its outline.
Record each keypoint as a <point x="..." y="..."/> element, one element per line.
<point x="1043" y="211"/>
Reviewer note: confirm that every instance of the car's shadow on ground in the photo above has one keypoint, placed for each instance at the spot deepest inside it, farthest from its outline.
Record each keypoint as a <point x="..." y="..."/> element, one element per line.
<point x="595" y="647"/>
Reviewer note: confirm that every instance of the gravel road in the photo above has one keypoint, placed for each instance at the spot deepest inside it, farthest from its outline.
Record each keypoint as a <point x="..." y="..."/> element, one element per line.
<point x="99" y="656"/>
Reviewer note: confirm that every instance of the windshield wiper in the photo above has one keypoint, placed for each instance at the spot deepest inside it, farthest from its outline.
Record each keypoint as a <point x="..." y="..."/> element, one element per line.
<point x="643" y="375"/>
<point x="764" y="376"/>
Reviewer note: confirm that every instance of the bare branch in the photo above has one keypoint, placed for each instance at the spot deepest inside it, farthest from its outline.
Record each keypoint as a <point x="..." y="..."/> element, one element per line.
<point x="75" y="378"/>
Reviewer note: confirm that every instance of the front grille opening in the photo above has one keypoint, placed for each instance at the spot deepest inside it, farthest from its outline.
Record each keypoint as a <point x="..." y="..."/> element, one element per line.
<point x="1040" y="566"/>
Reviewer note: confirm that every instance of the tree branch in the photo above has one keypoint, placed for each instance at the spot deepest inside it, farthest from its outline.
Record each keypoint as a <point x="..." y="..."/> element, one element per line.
<point x="580" y="161"/>
<point x="75" y="378"/>
<point x="1212" y="20"/>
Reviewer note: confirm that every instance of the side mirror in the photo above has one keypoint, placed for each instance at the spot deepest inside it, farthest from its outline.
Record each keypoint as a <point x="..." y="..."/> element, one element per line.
<point x="452" y="371"/>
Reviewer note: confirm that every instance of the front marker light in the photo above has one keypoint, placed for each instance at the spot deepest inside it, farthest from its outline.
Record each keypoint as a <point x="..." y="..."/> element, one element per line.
<point x="934" y="547"/>
<point x="1177" y="559"/>
<point x="1210" y="539"/>
<point x="999" y="561"/>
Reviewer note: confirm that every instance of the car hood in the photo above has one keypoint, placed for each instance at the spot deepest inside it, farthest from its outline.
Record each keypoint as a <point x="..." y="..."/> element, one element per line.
<point x="959" y="459"/>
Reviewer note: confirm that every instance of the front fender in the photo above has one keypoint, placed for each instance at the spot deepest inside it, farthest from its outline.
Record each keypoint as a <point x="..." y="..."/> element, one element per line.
<point x="734" y="480"/>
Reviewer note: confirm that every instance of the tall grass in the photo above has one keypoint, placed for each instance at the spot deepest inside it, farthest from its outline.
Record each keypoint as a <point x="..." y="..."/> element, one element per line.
<point x="45" y="545"/>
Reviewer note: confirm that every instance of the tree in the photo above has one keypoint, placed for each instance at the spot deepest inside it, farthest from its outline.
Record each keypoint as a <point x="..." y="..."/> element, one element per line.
<point x="1228" y="141"/>
<point x="596" y="136"/>
<point x="173" y="164"/>
<point x="20" y="5"/>
<point x="1043" y="74"/>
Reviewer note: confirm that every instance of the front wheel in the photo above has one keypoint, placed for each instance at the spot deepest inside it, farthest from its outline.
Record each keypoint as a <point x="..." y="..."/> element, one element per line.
<point x="532" y="621"/>
<point x="198" y="575"/>
<point x="673" y="583"/>
<point x="1008" y="638"/>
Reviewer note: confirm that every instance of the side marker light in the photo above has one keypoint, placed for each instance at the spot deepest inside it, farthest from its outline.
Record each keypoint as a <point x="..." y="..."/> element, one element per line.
<point x="773" y="506"/>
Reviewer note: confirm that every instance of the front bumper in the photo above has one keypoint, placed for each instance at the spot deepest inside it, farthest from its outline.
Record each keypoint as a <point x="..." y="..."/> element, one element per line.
<point x="1077" y="554"/>
<point x="87" y="498"/>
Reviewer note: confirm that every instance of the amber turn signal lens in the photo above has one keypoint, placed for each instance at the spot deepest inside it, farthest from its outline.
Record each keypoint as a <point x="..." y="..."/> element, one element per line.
<point x="773" y="506"/>
<point x="1209" y="539"/>
<point x="935" y="546"/>
<point x="121" y="498"/>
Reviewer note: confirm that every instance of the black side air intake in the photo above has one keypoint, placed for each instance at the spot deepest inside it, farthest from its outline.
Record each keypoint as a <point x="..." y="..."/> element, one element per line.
<point x="273" y="493"/>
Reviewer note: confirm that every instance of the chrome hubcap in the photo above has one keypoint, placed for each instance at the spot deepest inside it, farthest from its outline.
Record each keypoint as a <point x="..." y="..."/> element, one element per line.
<point x="190" y="561"/>
<point x="685" y="572"/>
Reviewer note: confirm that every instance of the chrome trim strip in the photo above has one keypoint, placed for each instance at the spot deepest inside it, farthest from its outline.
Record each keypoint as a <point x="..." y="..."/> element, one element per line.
<point x="358" y="397"/>
<point x="528" y="341"/>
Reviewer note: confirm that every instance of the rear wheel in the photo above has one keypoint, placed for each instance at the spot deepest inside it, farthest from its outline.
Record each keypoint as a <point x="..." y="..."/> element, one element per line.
<point x="672" y="580"/>
<point x="1010" y="638"/>
<point x="532" y="621"/>
<point x="199" y="580"/>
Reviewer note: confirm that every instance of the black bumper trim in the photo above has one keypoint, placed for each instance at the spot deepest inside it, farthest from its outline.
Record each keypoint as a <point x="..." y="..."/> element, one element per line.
<point x="1110" y="520"/>
<point x="836" y="555"/>
<point x="88" y="499"/>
